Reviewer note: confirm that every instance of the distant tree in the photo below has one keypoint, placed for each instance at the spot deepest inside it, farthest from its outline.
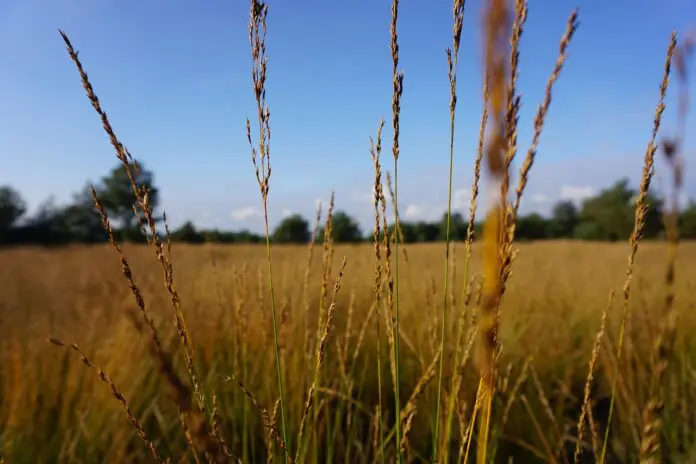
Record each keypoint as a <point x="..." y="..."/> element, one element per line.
<point x="564" y="219"/>
<point x="293" y="229"/>
<point x="46" y="226"/>
<point x="345" y="228"/>
<point x="458" y="227"/>
<point x="81" y="220"/>
<point x="409" y="231"/>
<point x="187" y="233"/>
<point x="116" y="194"/>
<point x="212" y="236"/>
<point x="687" y="227"/>
<point x="12" y="208"/>
<point x="427" y="232"/>
<point x="532" y="227"/>
<point x="243" y="236"/>
<point x="609" y="215"/>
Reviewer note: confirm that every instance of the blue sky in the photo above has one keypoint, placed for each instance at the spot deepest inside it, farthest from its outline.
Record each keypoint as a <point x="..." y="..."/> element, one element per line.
<point x="175" y="79"/>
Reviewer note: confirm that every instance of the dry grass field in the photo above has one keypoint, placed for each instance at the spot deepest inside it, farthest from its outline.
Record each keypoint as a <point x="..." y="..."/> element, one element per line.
<point x="559" y="351"/>
<point x="54" y="409"/>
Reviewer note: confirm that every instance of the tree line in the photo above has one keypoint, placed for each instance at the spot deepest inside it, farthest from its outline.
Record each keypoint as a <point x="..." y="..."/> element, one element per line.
<point x="607" y="216"/>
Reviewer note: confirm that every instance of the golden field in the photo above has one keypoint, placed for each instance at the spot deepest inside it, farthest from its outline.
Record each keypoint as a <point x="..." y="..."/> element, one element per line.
<point x="54" y="409"/>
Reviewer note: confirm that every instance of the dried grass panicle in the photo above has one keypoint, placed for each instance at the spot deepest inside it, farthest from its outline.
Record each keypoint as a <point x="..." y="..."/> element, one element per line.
<point x="305" y="282"/>
<point x="270" y="442"/>
<point x="666" y="337"/>
<point x="452" y="60"/>
<point x="514" y="392"/>
<point x="398" y="87"/>
<point x="126" y="271"/>
<point x="327" y="263"/>
<point x="215" y="428"/>
<point x="102" y="376"/>
<point x="571" y="27"/>
<point x="193" y="419"/>
<point x="203" y="438"/>
<point x="512" y="99"/>
<point x="641" y="208"/>
<point x="585" y="408"/>
<point x="473" y="204"/>
<point x="189" y="438"/>
<point x="261" y="159"/>
<point x="389" y="278"/>
<point x="409" y="411"/>
<point x="268" y="422"/>
<point x="510" y="213"/>
<point x="141" y="197"/>
<point x="320" y="353"/>
<point x="398" y="229"/>
<point x="378" y="198"/>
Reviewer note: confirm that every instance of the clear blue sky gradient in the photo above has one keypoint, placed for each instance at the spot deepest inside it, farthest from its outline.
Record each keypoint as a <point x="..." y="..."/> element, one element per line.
<point x="175" y="80"/>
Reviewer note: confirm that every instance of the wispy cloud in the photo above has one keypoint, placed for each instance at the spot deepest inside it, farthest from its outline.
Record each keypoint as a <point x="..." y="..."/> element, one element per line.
<point x="412" y="212"/>
<point x="461" y="197"/>
<point x="575" y="193"/>
<point x="540" y="198"/>
<point x="246" y="213"/>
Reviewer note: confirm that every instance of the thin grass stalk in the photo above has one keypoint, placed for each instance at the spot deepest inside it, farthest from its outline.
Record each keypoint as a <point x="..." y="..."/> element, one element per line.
<point x="637" y="232"/>
<point x="588" y="382"/>
<point x="650" y="447"/>
<point x="320" y="354"/>
<point x="146" y="219"/>
<point x="466" y="285"/>
<point x="397" y="81"/>
<point x="262" y="163"/>
<point x="452" y="58"/>
<point x="116" y="393"/>
<point x="375" y="152"/>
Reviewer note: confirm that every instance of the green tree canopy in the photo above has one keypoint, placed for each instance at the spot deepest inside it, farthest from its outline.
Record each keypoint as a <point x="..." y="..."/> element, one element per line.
<point x="688" y="221"/>
<point x="292" y="229"/>
<point x="81" y="220"/>
<point x="458" y="227"/>
<point x="610" y="214"/>
<point x="12" y="207"/>
<point x="564" y="219"/>
<point x="345" y="228"/>
<point x="116" y="194"/>
<point x="187" y="233"/>
<point x="532" y="227"/>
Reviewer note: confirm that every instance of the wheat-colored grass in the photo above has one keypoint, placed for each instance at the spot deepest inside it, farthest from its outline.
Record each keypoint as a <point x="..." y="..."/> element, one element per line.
<point x="552" y="313"/>
<point x="257" y="372"/>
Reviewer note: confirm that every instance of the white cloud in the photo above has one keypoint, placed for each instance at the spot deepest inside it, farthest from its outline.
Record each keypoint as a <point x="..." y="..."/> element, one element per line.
<point x="460" y="198"/>
<point x="570" y="192"/>
<point x="246" y="213"/>
<point x="540" y="198"/>
<point x="286" y="213"/>
<point x="412" y="212"/>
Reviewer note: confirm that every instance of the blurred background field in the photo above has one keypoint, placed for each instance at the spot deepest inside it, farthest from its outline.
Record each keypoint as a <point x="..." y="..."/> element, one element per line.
<point x="53" y="408"/>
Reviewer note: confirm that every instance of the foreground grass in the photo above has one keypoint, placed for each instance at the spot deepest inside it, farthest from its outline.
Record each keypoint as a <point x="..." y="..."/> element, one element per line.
<point x="55" y="410"/>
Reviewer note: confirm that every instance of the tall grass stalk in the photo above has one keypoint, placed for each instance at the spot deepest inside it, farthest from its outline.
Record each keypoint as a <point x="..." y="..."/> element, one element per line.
<point x="378" y="197"/>
<point x="397" y="81"/>
<point x="637" y="232"/>
<point x="452" y="55"/>
<point x="262" y="163"/>
<point x="663" y="347"/>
